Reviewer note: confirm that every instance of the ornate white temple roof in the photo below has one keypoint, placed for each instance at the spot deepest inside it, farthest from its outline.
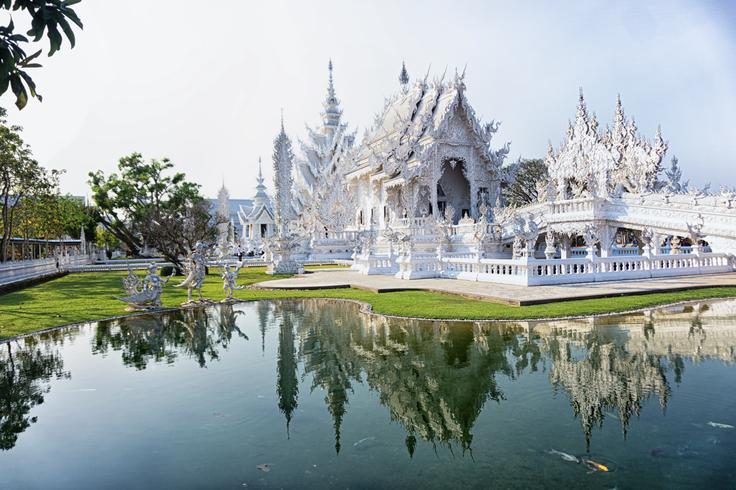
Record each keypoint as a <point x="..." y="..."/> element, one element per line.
<point x="261" y="211"/>
<point x="599" y="162"/>
<point x="415" y="117"/>
<point x="324" y="149"/>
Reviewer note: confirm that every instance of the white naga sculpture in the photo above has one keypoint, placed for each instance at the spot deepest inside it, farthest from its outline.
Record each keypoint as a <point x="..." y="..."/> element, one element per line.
<point x="230" y="281"/>
<point x="144" y="294"/>
<point x="196" y="270"/>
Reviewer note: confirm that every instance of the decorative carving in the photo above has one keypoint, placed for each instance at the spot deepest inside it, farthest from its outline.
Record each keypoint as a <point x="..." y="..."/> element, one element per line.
<point x="230" y="281"/>
<point x="145" y="294"/>
<point x="195" y="269"/>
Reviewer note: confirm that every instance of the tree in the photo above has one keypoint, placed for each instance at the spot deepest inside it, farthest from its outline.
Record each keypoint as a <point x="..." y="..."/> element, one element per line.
<point x="143" y="204"/>
<point x="175" y="227"/>
<point x="47" y="16"/>
<point x="519" y="185"/>
<point x="106" y="240"/>
<point x="21" y="177"/>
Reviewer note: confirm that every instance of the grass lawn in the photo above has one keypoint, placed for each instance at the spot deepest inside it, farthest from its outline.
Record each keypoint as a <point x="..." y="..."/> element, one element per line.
<point x="90" y="296"/>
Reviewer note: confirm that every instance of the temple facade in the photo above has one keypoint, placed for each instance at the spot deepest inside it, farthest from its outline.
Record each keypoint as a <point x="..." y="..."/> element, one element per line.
<point x="420" y="196"/>
<point x="258" y="221"/>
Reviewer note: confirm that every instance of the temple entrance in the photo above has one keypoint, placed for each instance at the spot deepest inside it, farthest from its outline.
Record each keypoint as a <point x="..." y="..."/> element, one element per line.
<point x="455" y="189"/>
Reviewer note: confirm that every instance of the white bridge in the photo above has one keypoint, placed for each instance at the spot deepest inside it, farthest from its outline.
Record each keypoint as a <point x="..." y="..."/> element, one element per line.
<point x="567" y="241"/>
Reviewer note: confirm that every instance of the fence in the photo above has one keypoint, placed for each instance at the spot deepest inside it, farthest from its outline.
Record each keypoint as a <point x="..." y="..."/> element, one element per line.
<point x="24" y="270"/>
<point x="533" y="272"/>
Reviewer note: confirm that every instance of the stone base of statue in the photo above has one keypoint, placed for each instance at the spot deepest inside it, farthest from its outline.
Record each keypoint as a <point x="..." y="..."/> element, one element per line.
<point x="198" y="303"/>
<point x="142" y="307"/>
<point x="283" y="257"/>
<point x="284" y="264"/>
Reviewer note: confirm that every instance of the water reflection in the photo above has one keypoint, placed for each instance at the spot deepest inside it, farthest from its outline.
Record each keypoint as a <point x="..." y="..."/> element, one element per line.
<point x="434" y="378"/>
<point x="26" y="366"/>
<point x="199" y="334"/>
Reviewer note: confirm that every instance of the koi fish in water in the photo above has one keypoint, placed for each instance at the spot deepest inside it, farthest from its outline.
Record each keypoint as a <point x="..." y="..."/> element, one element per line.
<point x="720" y="426"/>
<point x="565" y="456"/>
<point x="596" y="466"/>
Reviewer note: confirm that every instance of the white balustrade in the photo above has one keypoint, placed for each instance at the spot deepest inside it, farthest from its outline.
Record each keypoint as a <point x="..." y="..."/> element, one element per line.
<point x="530" y="272"/>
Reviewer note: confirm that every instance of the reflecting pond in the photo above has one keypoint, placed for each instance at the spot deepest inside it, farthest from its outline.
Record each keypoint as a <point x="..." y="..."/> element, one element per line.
<point x="316" y="394"/>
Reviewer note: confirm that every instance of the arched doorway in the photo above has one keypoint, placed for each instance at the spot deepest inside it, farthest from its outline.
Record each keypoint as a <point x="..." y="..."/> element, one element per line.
<point x="455" y="188"/>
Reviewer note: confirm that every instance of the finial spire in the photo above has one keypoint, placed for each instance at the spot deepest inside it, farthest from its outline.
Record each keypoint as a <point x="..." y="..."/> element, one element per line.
<point x="260" y="172"/>
<point x="331" y="98"/>
<point x="282" y="121"/>
<point x="403" y="75"/>
<point x="332" y="112"/>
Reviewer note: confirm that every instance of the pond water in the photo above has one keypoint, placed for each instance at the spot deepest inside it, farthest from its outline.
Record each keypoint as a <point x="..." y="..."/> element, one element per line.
<point x="316" y="394"/>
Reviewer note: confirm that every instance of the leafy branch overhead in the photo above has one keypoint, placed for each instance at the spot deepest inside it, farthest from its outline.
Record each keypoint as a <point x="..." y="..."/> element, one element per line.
<point x="54" y="18"/>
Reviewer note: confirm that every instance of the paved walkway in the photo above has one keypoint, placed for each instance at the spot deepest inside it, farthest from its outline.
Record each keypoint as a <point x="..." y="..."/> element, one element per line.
<point x="499" y="293"/>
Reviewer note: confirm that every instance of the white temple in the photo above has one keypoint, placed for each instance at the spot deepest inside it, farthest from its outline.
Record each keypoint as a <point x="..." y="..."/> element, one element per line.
<point x="258" y="222"/>
<point x="420" y="197"/>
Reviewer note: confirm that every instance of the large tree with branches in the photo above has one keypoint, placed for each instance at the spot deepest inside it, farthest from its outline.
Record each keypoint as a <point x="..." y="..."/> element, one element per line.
<point x="519" y="183"/>
<point x="144" y="204"/>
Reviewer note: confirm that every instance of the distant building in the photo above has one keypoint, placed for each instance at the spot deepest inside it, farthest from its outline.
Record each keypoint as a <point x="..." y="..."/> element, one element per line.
<point x="258" y="221"/>
<point x="234" y="206"/>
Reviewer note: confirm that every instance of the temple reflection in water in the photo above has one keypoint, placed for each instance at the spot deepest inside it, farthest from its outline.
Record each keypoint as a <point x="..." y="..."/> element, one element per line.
<point x="434" y="378"/>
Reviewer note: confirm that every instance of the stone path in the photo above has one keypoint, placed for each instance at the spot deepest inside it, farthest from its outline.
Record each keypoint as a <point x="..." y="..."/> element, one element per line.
<point x="499" y="293"/>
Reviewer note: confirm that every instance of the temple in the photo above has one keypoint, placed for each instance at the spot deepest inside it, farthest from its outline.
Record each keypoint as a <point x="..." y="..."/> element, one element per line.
<point x="421" y="196"/>
<point x="257" y="221"/>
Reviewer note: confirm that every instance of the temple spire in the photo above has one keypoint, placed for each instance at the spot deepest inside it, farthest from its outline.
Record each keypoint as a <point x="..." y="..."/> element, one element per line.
<point x="404" y="77"/>
<point x="332" y="113"/>
<point x="331" y="84"/>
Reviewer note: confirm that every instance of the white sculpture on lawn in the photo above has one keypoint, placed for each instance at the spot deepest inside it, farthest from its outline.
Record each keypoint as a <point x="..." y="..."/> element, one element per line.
<point x="144" y="294"/>
<point x="225" y="243"/>
<point x="196" y="269"/>
<point x="282" y="246"/>
<point x="230" y="281"/>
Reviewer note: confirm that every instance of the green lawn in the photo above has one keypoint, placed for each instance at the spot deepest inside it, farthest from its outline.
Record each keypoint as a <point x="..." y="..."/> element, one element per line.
<point x="82" y="297"/>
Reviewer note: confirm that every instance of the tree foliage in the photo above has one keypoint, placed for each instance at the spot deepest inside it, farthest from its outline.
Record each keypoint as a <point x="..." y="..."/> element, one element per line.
<point x="54" y="18"/>
<point x="106" y="241"/>
<point x="144" y="204"/>
<point x="50" y="216"/>
<point x="519" y="186"/>
<point x="21" y="179"/>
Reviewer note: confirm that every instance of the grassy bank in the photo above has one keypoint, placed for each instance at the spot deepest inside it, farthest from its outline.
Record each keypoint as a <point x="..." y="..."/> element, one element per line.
<point x="91" y="296"/>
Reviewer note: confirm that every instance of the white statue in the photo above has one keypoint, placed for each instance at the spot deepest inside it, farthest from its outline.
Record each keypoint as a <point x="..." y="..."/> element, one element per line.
<point x="144" y="294"/>
<point x="230" y="281"/>
<point x="196" y="271"/>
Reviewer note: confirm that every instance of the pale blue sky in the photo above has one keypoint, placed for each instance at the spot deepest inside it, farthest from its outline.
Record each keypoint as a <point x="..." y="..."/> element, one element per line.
<point x="203" y="82"/>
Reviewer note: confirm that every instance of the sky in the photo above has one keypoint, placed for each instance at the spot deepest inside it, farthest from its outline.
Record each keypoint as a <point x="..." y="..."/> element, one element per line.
<point x="204" y="83"/>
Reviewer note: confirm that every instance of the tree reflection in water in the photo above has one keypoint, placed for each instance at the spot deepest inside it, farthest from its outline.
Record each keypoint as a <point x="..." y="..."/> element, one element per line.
<point x="26" y="366"/>
<point x="433" y="377"/>
<point x="194" y="332"/>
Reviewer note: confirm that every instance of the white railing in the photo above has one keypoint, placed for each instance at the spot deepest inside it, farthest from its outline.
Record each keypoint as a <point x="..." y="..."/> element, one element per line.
<point x="411" y="222"/>
<point x="418" y="265"/>
<point x="22" y="270"/>
<point x="530" y="272"/>
<point x="374" y="264"/>
<point x="572" y="206"/>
